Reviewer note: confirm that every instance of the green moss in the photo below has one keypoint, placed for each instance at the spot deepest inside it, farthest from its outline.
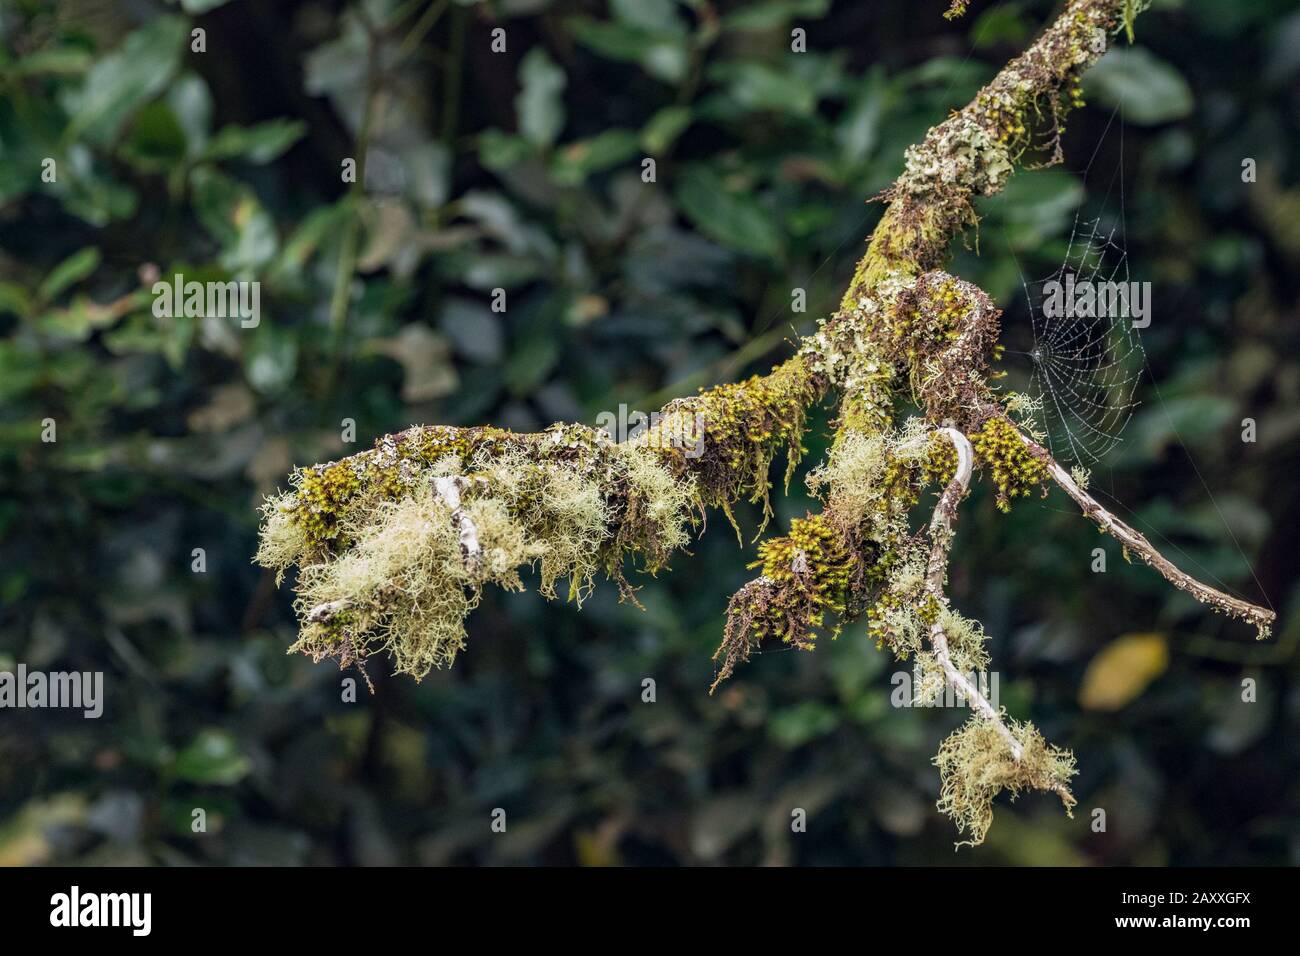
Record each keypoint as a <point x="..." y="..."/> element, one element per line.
<point x="870" y="485"/>
<point x="911" y="237"/>
<point x="940" y="463"/>
<point x="809" y="569"/>
<point x="746" y="425"/>
<point x="1014" y="469"/>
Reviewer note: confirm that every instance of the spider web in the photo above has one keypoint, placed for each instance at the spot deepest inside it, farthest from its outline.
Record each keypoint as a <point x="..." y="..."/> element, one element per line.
<point x="1085" y="369"/>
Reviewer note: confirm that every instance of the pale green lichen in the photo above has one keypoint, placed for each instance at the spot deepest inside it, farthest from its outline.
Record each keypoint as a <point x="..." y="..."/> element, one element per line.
<point x="964" y="155"/>
<point x="976" y="764"/>
<point x="402" y="587"/>
<point x="283" y="541"/>
<point x="561" y="508"/>
<point x="967" y="642"/>
<point x="663" y="502"/>
<point x="382" y="566"/>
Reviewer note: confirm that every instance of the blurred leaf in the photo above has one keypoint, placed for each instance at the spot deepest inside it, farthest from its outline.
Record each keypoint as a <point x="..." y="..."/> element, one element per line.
<point x="15" y="299"/>
<point x="423" y="354"/>
<point x="1002" y="24"/>
<point x="1231" y="515"/>
<point x="255" y="144"/>
<point x="191" y="104"/>
<point x="576" y="161"/>
<point x="231" y="212"/>
<point x="338" y="67"/>
<point x="69" y="272"/>
<point x="1184" y="420"/>
<point x="212" y="757"/>
<point x="734" y="219"/>
<point x="1036" y="204"/>
<point x="228" y="406"/>
<point x="83" y="316"/>
<point x="662" y="55"/>
<point x="758" y="86"/>
<point x="90" y="192"/>
<point x="858" y="130"/>
<point x="799" y="723"/>
<point x="499" y="150"/>
<point x="270" y="356"/>
<point x="473" y="329"/>
<point x="772" y="14"/>
<point x="664" y="128"/>
<point x="123" y="81"/>
<point x="316" y="229"/>
<point x="532" y="361"/>
<point x="157" y="140"/>
<point x="1240" y="723"/>
<point x="24" y="838"/>
<point x="540" y="104"/>
<point x="201" y="6"/>
<point x="659" y="16"/>
<point x="428" y="172"/>
<point x="1122" y="670"/>
<point x="63" y="60"/>
<point x="721" y="821"/>
<point x="1148" y="90"/>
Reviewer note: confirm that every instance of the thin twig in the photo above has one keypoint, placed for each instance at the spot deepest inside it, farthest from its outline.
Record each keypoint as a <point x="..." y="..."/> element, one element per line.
<point x="945" y="513"/>
<point x="1137" y="543"/>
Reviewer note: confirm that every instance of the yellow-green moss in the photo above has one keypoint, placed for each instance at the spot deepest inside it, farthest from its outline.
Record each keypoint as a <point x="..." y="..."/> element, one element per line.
<point x="1014" y="469"/>
<point x="809" y="567"/>
<point x="746" y="425"/>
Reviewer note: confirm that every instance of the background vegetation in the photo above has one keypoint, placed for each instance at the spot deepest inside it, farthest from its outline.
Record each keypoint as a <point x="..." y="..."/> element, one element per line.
<point x="521" y="170"/>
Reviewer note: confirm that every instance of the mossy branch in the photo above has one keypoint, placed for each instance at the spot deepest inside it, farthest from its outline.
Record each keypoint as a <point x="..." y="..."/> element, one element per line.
<point x="394" y="545"/>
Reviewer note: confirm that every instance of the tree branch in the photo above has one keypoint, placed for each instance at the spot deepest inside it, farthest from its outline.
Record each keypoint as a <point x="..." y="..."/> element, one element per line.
<point x="1136" y="542"/>
<point x="394" y="544"/>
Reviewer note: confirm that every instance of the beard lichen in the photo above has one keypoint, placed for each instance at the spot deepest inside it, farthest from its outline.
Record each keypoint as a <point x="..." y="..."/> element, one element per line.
<point x="976" y="764"/>
<point x="403" y="587"/>
<point x="388" y="562"/>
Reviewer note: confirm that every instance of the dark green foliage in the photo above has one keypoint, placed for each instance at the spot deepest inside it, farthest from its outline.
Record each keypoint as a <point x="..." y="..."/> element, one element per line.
<point x="227" y="164"/>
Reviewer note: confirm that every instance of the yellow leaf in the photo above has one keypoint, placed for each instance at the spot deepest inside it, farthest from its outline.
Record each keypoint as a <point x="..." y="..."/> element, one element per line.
<point x="1123" y="670"/>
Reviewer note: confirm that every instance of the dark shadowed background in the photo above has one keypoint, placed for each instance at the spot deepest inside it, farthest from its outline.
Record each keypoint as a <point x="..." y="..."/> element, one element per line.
<point x="521" y="171"/>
